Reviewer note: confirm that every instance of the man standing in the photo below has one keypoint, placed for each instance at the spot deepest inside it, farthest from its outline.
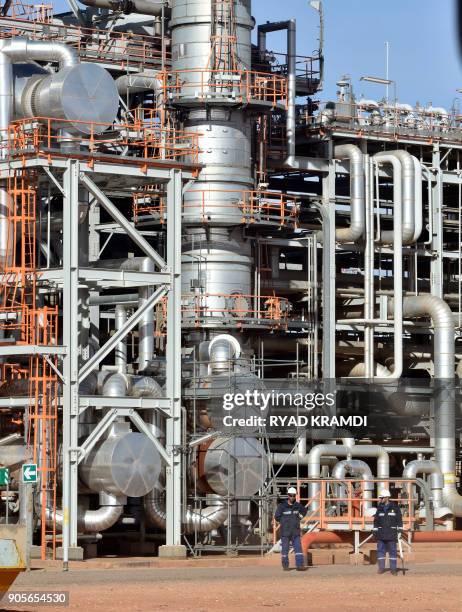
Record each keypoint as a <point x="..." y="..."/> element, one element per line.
<point x="288" y="515"/>
<point x="388" y="525"/>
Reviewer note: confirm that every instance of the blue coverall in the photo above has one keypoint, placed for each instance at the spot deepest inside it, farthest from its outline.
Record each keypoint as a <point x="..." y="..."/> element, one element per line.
<point x="288" y="516"/>
<point x="388" y="523"/>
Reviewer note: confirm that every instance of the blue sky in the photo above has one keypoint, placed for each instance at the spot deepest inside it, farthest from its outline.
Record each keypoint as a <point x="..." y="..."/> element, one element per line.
<point x="424" y="57"/>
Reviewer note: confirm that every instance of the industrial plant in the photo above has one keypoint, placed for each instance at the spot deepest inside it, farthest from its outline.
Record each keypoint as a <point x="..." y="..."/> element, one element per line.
<point x="216" y="284"/>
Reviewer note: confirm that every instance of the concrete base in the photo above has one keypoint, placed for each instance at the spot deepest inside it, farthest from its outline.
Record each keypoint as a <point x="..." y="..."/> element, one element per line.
<point x="75" y="553"/>
<point x="173" y="552"/>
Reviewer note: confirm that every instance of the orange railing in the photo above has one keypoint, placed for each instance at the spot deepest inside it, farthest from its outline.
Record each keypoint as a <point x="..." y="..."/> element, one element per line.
<point x="236" y="306"/>
<point x="244" y="86"/>
<point x="343" y="504"/>
<point x="120" y="49"/>
<point x="42" y="136"/>
<point x="253" y="206"/>
<point x="40" y="12"/>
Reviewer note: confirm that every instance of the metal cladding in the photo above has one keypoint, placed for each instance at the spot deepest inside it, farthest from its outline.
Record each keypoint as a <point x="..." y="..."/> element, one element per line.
<point x="235" y="466"/>
<point x="74" y="94"/>
<point x="126" y="464"/>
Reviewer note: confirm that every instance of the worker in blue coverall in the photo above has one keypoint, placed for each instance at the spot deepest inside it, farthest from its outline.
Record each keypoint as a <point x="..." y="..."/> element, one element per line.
<point x="388" y="525"/>
<point x="288" y="515"/>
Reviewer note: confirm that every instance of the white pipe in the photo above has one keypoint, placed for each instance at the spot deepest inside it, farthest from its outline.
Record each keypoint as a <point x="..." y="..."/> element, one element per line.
<point x="357" y="193"/>
<point x="321" y="450"/>
<point x="386" y="158"/>
<point x="142" y="7"/>
<point x="201" y="521"/>
<point x="408" y="198"/>
<point x="356" y="467"/>
<point x="436" y="477"/>
<point x="18" y="50"/>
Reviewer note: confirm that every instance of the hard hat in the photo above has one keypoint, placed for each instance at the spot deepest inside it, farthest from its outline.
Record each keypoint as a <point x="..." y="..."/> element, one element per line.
<point x="291" y="491"/>
<point x="384" y="493"/>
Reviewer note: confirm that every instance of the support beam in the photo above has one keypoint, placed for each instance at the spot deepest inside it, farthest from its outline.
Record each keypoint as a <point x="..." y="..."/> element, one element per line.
<point x="173" y="365"/>
<point x="112" y="210"/>
<point x="71" y="359"/>
<point x="121" y="333"/>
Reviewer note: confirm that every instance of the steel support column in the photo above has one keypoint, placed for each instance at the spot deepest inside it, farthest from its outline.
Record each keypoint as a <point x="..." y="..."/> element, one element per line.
<point x="173" y="356"/>
<point x="436" y="275"/>
<point x="328" y="274"/>
<point x="70" y="409"/>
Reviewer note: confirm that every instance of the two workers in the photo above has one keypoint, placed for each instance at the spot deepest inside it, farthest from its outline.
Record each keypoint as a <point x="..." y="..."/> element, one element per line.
<point x="388" y="525"/>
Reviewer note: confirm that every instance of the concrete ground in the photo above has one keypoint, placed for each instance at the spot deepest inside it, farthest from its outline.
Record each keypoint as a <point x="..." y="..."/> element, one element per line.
<point x="246" y="586"/>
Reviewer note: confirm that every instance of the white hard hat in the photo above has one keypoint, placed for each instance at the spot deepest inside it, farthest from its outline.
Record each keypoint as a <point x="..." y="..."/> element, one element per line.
<point x="291" y="491"/>
<point x="384" y="493"/>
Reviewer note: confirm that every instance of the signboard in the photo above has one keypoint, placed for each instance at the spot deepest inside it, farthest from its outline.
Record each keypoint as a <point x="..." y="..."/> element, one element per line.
<point x="4" y="476"/>
<point x="29" y="472"/>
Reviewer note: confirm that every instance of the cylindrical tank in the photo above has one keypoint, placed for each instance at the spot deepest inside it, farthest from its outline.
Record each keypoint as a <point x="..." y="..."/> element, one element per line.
<point x="84" y="95"/>
<point x="192" y="29"/>
<point x="216" y="273"/>
<point x="124" y="464"/>
<point x="225" y="151"/>
<point x="235" y="466"/>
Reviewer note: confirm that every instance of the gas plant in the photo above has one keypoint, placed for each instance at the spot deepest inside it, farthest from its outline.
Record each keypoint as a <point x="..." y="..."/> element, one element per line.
<point x="183" y="218"/>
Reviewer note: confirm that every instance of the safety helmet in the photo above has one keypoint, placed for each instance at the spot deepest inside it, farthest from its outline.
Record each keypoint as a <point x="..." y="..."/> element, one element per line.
<point x="384" y="493"/>
<point x="291" y="491"/>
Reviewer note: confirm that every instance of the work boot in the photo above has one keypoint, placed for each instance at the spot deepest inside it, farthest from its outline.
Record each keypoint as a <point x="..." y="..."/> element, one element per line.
<point x="380" y="571"/>
<point x="301" y="569"/>
<point x="394" y="572"/>
<point x="286" y="569"/>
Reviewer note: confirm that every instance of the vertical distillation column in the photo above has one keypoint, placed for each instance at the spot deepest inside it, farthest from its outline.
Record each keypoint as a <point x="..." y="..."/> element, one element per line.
<point x="211" y="46"/>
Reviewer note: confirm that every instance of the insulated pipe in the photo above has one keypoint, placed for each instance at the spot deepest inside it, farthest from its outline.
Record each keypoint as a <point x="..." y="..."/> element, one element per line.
<point x="16" y="50"/>
<point x="109" y="512"/>
<point x="357" y="193"/>
<point x="444" y="395"/>
<point x="90" y="521"/>
<point x="444" y="332"/>
<point x="121" y="348"/>
<point x="134" y="83"/>
<point x="408" y="201"/>
<point x="386" y="158"/>
<point x="143" y="7"/>
<point x="223" y="349"/>
<point x="356" y="467"/>
<point x="418" y="220"/>
<point x="146" y="325"/>
<point x="321" y="450"/>
<point x="436" y="477"/>
<point x="204" y="520"/>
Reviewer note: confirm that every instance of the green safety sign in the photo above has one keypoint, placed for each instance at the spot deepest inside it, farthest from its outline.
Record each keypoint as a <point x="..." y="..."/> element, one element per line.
<point x="29" y="472"/>
<point x="4" y="476"/>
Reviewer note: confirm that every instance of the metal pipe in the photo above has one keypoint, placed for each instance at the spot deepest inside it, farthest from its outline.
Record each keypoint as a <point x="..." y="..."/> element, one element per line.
<point x="135" y="83"/>
<point x="121" y="348"/>
<point x="444" y="392"/>
<point x="204" y="520"/>
<point x="356" y="467"/>
<point x="15" y="50"/>
<point x="436" y="477"/>
<point x="223" y="350"/>
<point x="317" y="452"/>
<point x="386" y="158"/>
<point x="408" y="199"/>
<point x="357" y="193"/>
<point x="109" y="512"/>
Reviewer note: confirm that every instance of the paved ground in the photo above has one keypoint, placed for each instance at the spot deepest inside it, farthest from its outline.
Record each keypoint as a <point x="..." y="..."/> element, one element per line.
<point x="202" y="589"/>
